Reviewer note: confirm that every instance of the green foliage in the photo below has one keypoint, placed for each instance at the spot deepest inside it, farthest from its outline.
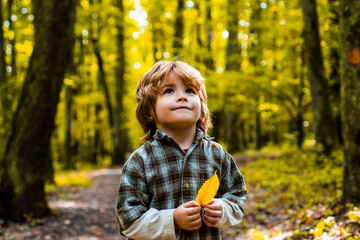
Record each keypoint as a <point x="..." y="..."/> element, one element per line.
<point x="296" y="179"/>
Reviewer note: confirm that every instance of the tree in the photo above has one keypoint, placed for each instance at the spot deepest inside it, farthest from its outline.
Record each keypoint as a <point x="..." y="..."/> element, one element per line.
<point x="25" y="162"/>
<point x="209" y="61"/>
<point x="179" y="28"/>
<point x="323" y="119"/>
<point x="350" y="92"/>
<point x="120" y="142"/>
<point x="4" y="88"/>
<point x="232" y="63"/>
<point x="233" y="50"/>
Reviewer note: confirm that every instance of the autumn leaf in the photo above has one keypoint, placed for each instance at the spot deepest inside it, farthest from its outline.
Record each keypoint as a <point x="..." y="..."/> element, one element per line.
<point x="208" y="190"/>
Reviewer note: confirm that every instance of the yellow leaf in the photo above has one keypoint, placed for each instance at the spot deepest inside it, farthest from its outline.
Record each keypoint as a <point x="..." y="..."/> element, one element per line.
<point x="318" y="231"/>
<point x="208" y="190"/>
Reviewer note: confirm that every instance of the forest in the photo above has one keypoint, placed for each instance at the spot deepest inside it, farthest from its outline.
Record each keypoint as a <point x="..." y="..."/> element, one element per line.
<point x="283" y="86"/>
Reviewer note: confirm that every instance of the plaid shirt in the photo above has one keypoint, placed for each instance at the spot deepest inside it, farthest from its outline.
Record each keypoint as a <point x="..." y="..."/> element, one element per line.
<point x="160" y="175"/>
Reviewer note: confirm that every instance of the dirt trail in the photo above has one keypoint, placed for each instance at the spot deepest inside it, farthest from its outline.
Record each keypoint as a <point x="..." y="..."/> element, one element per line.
<point x="79" y="213"/>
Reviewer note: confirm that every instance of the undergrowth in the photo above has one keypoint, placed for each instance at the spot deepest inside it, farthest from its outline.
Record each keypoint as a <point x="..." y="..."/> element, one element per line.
<point x="297" y="195"/>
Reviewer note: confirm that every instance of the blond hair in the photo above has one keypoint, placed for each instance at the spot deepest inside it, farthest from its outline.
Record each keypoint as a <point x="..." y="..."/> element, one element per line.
<point x="149" y="88"/>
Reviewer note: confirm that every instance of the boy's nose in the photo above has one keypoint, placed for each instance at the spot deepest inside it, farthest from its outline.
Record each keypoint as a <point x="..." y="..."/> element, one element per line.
<point x="182" y="99"/>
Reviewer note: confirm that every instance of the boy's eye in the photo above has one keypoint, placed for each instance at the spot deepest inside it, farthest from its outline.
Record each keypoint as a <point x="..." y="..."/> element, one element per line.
<point x="190" y="90"/>
<point x="168" y="91"/>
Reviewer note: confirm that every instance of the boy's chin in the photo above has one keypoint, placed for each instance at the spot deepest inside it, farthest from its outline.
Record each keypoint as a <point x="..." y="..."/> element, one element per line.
<point x="181" y="125"/>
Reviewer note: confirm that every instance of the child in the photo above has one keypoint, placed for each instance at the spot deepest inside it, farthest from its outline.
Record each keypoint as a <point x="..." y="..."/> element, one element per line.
<point x="160" y="180"/>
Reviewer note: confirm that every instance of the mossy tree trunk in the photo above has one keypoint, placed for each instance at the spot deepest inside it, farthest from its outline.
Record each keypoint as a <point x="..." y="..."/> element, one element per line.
<point x="323" y="119"/>
<point x="26" y="157"/>
<point x="350" y="96"/>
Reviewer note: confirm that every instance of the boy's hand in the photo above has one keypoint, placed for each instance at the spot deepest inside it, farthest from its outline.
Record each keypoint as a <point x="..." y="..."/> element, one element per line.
<point x="187" y="216"/>
<point x="213" y="212"/>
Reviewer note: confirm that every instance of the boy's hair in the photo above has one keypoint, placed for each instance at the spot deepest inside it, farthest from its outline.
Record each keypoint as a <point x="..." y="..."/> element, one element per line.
<point x="149" y="88"/>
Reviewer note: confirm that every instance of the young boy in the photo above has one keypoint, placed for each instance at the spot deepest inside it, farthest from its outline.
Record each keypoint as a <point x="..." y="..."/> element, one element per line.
<point x="160" y="180"/>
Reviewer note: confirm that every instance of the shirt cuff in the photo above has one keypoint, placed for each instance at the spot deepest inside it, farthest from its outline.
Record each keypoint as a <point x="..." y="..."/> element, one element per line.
<point x="232" y="214"/>
<point x="147" y="226"/>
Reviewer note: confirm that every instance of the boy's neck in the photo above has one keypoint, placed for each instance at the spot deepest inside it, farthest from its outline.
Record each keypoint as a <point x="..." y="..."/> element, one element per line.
<point x="183" y="137"/>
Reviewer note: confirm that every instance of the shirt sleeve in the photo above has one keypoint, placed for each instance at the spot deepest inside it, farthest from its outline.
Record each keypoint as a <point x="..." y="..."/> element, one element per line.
<point x="232" y="214"/>
<point x="135" y="219"/>
<point x="153" y="224"/>
<point x="232" y="192"/>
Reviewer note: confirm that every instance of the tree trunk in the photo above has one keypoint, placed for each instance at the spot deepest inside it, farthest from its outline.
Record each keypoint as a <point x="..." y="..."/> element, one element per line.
<point x="334" y="78"/>
<point x="119" y="140"/>
<point x="255" y="52"/>
<point x="199" y="43"/>
<point x="103" y="83"/>
<point x="350" y="96"/>
<point x="233" y="51"/>
<point x="323" y="119"/>
<point x="68" y="154"/>
<point x="217" y="125"/>
<point x="258" y="137"/>
<point x="5" y="90"/>
<point x="12" y="41"/>
<point x="26" y="158"/>
<point x="233" y="133"/>
<point x="3" y="81"/>
<point x="300" y="105"/>
<point x="179" y="29"/>
<point x="209" y="61"/>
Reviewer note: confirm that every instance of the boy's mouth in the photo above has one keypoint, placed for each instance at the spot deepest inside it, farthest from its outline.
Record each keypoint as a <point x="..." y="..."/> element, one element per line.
<point x="182" y="107"/>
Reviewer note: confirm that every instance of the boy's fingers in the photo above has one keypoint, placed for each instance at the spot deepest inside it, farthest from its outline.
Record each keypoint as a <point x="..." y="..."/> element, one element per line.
<point x="193" y="210"/>
<point x="211" y="220"/>
<point x="191" y="204"/>
<point x="215" y="206"/>
<point x="213" y="213"/>
<point x="194" y="217"/>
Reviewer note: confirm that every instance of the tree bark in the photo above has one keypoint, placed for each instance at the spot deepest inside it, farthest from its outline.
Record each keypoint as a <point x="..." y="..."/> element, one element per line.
<point x="68" y="153"/>
<point x="26" y="158"/>
<point x="2" y="51"/>
<point x="119" y="140"/>
<point x="350" y="96"/>
<point x="179" y="29"/>
<point x="5" y="90"/>
<point x="255" y="53"/>
<point x="12" y="41"/>
<point x="334" y="78"/>
<point x="233" y="51"/>
<point x="258" y="136"/>
<point x="323" y="119"/>
<point x="209" y="61"/>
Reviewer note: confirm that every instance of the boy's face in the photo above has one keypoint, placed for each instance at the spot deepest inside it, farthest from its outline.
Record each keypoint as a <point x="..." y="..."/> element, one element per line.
<point x="178" y="106"/>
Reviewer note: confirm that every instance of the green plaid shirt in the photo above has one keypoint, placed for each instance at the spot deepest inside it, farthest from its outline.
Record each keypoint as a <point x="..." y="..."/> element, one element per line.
<point x="160" y="175"/>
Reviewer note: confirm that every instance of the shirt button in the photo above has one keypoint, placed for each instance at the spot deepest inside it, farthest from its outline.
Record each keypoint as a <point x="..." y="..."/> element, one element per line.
<point x="187" y="185"/>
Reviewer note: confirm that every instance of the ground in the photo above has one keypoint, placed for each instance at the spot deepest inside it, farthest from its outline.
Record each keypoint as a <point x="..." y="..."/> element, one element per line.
<point x="78" y="213"/>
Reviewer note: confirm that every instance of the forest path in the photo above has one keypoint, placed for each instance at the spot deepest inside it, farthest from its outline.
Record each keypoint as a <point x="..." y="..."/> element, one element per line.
<point x="83" y="214"/>
<point x="80" y="213"/>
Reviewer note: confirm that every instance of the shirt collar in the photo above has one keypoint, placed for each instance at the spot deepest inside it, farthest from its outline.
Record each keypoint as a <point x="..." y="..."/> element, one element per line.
<point x="199" y="135"/>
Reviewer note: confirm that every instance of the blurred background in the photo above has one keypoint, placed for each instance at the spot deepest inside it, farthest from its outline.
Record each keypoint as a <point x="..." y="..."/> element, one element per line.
<point x="69" y="72"/>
